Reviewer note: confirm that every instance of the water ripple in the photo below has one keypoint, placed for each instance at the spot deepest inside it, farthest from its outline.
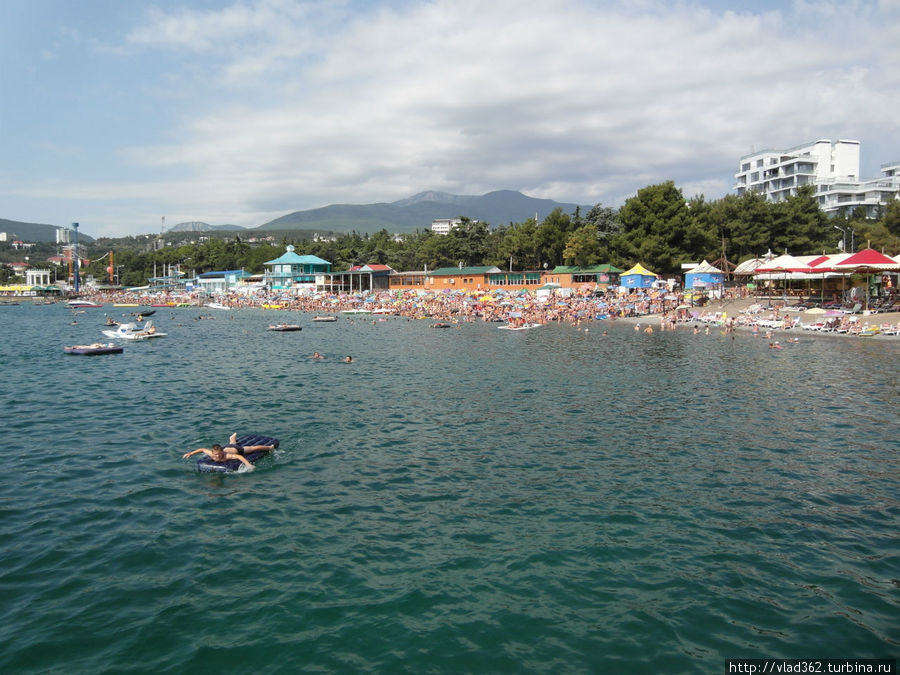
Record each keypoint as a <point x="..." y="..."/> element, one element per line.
<point x="453" y="501"/>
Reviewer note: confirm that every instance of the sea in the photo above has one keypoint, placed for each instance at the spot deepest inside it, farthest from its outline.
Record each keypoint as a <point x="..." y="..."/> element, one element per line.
<point x="460" y="500"/>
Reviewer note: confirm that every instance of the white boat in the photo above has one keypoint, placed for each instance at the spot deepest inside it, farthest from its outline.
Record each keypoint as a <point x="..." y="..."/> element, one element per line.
<point x="356" y="311"/>
<point x="82" y="304"/>
<point x="216" y="305"/>
<point x="131" y="331"/>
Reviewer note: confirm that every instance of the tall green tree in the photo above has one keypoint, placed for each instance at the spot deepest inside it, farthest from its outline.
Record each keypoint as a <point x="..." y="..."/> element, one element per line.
<point x="551" y="237"/>
<point x="654" y="226"/>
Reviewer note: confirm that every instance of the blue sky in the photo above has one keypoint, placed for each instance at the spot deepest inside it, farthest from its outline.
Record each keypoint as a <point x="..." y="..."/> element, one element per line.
<point x="115" y="114"/>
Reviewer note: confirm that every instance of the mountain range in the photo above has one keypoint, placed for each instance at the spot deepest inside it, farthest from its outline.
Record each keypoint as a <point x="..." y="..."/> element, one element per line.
<point x="406" y="215"/>
<point x="416" y="213"/>
<point x="198" y="226"/>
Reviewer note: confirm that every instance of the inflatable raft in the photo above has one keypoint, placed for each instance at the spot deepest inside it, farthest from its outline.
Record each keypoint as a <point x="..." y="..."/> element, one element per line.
<point x="93" y="350"/>
<point x="206" y="465"/>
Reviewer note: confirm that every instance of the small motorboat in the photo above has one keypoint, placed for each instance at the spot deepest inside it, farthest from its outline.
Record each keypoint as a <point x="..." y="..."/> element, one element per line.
<point x="82" y="304"/>
<point x="216" y="305"/>
<point x="93" y="349"/>
<point x="285" y="327"/>
<point x="131" y="331"/>
<point x="324" y="319"/>
<point x="440" y="324"/>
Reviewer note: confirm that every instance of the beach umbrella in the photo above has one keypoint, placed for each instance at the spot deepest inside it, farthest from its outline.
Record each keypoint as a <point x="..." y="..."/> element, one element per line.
<point x="868" y="262"/>
<point x="815" y="312"/>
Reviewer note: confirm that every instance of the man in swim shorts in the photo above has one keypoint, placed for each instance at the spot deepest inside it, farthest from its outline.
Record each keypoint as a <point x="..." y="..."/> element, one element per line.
<point x="243" y="449"/>
<point x="218" y="454"/>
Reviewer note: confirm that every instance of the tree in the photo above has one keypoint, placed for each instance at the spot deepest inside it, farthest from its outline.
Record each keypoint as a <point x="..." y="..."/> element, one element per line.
<point x="551" y="237"/>
<point x="891" y="217"/>
<point x="582" y="247"/>
<point x="518" y="243"/>
<point x="799" y="224"/>
<point x="654" y="228"/>
<point x="605" y="219"/>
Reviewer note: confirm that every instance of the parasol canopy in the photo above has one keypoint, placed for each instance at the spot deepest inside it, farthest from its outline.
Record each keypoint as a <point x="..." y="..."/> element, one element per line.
<point x="868" y="262"/>
<point x="868" y="259"/>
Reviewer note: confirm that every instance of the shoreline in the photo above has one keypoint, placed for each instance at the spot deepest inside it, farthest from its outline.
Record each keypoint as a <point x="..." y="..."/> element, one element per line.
<point x="575" y="310"/>
<point x="735" y="308"/>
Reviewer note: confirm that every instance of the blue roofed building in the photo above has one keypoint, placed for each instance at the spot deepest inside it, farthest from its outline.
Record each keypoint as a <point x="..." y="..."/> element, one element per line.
<point x="294" y="271"/>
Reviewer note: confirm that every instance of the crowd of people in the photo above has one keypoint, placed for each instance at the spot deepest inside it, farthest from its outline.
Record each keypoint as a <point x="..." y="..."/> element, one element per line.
<point x="672" y="309"/>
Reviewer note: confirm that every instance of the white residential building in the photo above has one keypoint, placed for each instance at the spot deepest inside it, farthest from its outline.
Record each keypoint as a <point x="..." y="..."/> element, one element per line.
<point x="444" y="225"/>
<point x="831" y="167"/>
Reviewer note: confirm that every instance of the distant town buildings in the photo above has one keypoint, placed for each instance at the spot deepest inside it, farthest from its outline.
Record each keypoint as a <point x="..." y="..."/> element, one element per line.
<point x="832" y="168"/>
<point x="63" y="235"/>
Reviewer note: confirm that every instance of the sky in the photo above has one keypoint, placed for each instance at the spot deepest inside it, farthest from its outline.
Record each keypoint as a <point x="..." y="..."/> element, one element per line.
<point x="119" y="114"/>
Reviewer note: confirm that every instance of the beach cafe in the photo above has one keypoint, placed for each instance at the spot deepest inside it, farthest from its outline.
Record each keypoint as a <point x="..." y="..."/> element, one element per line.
<point x="824" y="275"/>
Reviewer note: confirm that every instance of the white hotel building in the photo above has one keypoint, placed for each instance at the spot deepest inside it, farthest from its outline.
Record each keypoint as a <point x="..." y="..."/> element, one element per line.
<point x="831" y="167"/>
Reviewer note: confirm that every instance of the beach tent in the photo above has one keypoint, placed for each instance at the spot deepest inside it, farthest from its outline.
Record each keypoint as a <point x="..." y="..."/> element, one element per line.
<point x="704" y="275"/>
<point x="748" y="267"/>
<point x="638" y="277"/>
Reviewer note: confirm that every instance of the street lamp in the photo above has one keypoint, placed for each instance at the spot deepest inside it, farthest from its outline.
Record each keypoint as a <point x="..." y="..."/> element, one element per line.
<point x="843" y="238"/>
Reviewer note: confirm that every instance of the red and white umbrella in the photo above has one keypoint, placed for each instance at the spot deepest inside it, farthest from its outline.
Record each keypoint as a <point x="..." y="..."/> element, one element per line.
<point x="868" y="262"/>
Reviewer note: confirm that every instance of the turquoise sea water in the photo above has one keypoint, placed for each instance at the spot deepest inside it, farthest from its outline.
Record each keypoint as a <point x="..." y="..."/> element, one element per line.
<point x="459" y="500"/>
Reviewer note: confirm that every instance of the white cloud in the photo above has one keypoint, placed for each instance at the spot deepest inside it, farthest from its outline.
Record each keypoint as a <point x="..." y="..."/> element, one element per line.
<point x="293" y="105"/>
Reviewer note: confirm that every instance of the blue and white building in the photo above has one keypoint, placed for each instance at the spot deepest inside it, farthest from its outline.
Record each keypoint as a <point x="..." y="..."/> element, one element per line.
<point x="832" y="168"/>
<point x="292" y="271"/>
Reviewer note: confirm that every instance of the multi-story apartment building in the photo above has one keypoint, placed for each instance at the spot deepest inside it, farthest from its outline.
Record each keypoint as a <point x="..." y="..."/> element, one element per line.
<point x="832" y="168"/>
<point x="444" y="225"/>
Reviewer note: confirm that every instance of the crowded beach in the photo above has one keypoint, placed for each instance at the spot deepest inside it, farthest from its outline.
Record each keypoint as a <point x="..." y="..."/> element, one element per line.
<point x="653" y="309"/>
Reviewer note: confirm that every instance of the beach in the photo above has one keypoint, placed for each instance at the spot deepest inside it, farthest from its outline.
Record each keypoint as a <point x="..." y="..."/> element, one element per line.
<point x="657" y="309"/>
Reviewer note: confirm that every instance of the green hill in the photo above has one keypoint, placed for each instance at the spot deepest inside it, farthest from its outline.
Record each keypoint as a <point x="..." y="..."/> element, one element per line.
<point x="35" y="232"/>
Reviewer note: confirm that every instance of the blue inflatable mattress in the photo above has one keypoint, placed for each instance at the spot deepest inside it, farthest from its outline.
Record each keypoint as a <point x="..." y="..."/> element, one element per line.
<point x="206" y="465"/>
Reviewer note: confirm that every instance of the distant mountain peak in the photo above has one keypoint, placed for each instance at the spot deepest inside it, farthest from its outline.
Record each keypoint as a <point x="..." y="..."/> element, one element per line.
<point x="430" y="196"/>
<point x="417" y="212"/>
